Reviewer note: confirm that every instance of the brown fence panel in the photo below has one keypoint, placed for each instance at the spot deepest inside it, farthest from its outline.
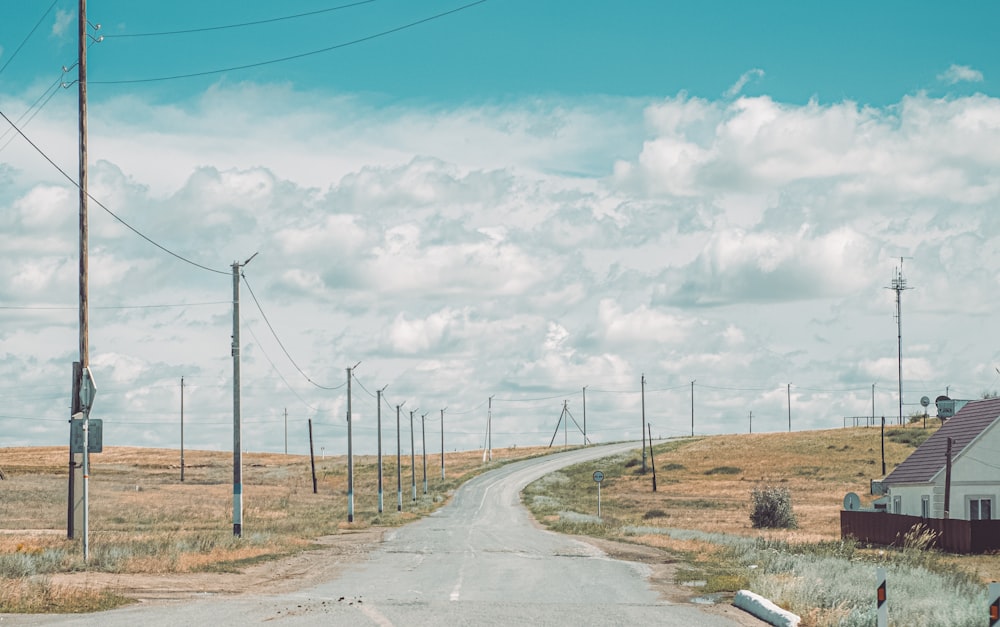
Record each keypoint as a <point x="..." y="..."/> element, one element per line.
<point x="955" y="536"/>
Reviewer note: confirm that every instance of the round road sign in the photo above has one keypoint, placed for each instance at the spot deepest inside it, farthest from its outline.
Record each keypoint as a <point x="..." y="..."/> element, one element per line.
<point x="598" y="476"/>
<point x="925" y="401"/>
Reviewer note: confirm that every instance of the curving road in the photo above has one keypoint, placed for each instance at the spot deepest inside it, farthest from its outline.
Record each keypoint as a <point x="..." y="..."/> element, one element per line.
<point x="477" y="561"/>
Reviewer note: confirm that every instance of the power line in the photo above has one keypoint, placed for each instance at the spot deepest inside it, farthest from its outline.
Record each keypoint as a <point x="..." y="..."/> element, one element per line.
<point x="28" y="36"/>
<point x="102" y="206"/>
<point x="239" y="25"/>
<point x="278" y="372"/>
<point x="294" y="56"/>
<point x="73" y="308"/>
<point x="268" y="322"/>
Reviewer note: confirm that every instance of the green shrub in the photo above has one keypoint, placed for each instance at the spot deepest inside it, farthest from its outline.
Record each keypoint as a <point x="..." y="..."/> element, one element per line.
<point x="771" y="508"/>
<point x="724" y="470"/>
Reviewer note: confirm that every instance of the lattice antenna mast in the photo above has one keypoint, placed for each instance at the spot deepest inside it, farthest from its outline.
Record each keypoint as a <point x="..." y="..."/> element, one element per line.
<point x="898" y="286"/>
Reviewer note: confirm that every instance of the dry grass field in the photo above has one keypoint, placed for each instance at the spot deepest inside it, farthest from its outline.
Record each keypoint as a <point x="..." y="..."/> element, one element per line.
<point x="145" y="521"/>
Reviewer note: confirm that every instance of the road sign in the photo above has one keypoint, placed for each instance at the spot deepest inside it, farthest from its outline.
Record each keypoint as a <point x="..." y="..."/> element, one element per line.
<point x="925" y="401"/>
<point x="87" y="389"/>
<point x="598" y="476"/>
<point x="95" y="437"/>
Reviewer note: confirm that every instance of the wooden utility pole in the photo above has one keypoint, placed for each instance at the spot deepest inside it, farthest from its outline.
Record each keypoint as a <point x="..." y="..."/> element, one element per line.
<point x="652" y="463"/>
<point x="312" y="456"/>
<point x="947" y="479"/>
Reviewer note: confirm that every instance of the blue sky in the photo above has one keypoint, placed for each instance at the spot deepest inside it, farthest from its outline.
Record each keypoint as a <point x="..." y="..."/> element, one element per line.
<point x="516" y="200"/>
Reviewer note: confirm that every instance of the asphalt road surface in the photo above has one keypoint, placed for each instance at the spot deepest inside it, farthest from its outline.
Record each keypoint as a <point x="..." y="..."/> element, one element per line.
<point x="478" y="561"/>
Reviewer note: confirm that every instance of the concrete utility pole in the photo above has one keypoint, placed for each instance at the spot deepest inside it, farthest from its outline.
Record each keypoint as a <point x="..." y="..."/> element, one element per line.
<point x="789" y="389"/>
<point x="442" y="443"/>
<point x="237" y="420"/>
<point x="182" y="429"/>
<point x="286" y="431"/>
<point x="413" y="457"/>
<point x="585" y="442"/>
<point x="488" y="449"/>
<point x="642" y="428"/>
<point x="399" y="469"/>
<point x="350" y="451"/>
<point x="692" y="409"/>
<point x="423" y="446"/>
<point x="378" y="396"/>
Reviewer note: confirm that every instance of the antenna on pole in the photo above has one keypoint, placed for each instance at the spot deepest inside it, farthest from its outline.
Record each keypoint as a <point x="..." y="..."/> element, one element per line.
<point x="898" y="285"/>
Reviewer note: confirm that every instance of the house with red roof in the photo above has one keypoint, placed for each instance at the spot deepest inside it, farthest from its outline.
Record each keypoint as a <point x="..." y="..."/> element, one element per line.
<point x="924" y="486"/>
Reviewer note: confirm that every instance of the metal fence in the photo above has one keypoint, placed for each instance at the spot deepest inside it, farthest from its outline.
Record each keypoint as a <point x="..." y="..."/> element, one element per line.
<point x="952" y="535"/>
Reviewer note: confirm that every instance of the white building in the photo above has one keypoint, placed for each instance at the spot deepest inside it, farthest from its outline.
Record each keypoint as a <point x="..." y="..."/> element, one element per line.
<point x="917" y="486"/>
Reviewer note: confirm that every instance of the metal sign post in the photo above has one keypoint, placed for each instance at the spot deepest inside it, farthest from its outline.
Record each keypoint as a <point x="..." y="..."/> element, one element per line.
<point x="598" y="478"/>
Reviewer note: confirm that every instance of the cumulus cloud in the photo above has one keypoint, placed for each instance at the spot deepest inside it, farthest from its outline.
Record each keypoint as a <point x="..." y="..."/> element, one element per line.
<point x="960" y="74"/>
<point x="61" y="25"/>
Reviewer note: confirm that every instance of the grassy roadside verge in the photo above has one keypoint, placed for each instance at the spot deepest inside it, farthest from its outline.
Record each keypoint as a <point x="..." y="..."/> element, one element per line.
<point x="143" y="520"/>
<point x="700" y="516"/>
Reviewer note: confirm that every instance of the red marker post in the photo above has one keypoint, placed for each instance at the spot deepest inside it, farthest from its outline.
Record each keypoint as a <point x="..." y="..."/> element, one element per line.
<point x="994" y="592"/>
<point x="881" y="606"/>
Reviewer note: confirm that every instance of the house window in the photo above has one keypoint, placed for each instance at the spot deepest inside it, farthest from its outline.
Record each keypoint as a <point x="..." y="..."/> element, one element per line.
<point x="980" y="509"/>
<point x="925" y="506"/>
<point x="897" y="505"/>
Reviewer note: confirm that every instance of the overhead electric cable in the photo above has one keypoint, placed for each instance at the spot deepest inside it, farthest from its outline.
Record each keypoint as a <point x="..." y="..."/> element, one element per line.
<point x="291" y="57"/>
<point x="278" y="372"/>
<point x="261" y="310"/>
<point x="28" y="36"/>
<point x="239" y="25"/>
<point x="102" y="206"/>
<point x="32" y="110"/>
<point x="74" y="308"/>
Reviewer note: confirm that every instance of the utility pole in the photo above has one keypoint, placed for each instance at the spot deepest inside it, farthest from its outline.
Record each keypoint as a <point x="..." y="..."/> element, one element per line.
<point x="652" y="462"/>
<point x="423" y="446"/>
<point x="286" y="431"/>
<point x="641" y="430"/>
<point x="237" y="444"/>
<point x="789" y="389"/>
<point x="947" y="479"/>
<point x="182" y="429"/>
<point x="442" y="443"/>
<point x="312" y="455"/>
<point x="350" y="452"/>
<point x="692" y="409"/>
<point x="488" y="444"/>
<point x="413" y="458"/>
<point x="873" y="409"/>
<point x="751" y="421"/>
<point x="379" y="419"/>
<point x="399" y="469"/>
<point x="585" y="415"/>
<point x="898" y="285"/>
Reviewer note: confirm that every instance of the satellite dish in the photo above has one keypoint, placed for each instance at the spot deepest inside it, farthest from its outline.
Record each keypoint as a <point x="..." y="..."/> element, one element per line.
<point x="852" y="502"/>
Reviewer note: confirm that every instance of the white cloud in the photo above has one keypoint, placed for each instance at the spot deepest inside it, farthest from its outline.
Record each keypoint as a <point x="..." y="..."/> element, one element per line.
<point x="61" y="25"/>
<point x="742" y="81"/>
<point x="960" y="74"/>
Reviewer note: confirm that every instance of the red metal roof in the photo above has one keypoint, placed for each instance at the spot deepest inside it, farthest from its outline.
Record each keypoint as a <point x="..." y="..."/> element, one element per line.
<point x="929" y="458"/>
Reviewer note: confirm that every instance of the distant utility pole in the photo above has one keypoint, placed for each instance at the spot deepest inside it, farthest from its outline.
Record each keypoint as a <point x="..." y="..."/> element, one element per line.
<point x="423" y="446"/>
<point x="182" y="429"/>
<point x="789" y="390"/>
<point x="692" y="409"/>
<point x="237" y="444"/>
<point x="873" y="408"/>
<point x="898" y="285"/>
<point x="641" y="429"/>
<point x="399" y="468"/>
<point x="751" y="421"/>
<point x="585" y="415"/>
<point x="442" y="443"/>
<point x="286" y="431"/>
<point x="488" y="444"/>
<point x="413" y="457"/>
<point x="652" y="462"/>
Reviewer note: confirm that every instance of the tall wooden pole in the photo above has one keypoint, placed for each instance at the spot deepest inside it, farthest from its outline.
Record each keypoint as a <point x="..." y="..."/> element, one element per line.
<point x="84" y="263"/>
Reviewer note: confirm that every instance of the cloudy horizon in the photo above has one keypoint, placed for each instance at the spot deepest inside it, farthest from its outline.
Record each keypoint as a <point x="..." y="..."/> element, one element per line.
<point x="518" y="247"/>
